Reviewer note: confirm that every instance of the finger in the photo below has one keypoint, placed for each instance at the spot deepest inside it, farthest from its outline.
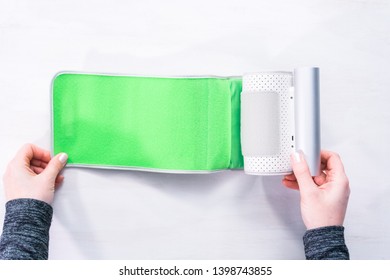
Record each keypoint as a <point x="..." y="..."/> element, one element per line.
<point x="334" y="165"/>
<point x="37" y="170"/>
<point x="331" y="160"/>
<point x="302" y="172"/>
<point x="320" y="179"/>
<point x="291" y="184"/>
<point x="41" y="154"/>
<point x="59" y="180"/>
<point x="55" y="165"/>
<point x="29" y="152"/>
<point x="290" y="177"/>
<point x="38" y="163"/>
<point x="24" y="155"/>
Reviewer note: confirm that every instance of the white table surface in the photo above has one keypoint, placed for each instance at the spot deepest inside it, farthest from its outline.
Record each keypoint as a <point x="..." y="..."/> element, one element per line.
<point x="101" y="214"/>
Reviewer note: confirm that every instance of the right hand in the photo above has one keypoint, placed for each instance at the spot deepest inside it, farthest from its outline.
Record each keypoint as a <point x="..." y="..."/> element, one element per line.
<point x="324" y="198"/>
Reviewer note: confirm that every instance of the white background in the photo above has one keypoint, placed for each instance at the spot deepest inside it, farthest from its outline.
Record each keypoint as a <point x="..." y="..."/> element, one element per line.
<point x="100" y="214"/>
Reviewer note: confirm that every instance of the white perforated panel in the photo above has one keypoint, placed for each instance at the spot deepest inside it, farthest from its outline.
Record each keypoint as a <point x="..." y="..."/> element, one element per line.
<point x="280" y="82"/>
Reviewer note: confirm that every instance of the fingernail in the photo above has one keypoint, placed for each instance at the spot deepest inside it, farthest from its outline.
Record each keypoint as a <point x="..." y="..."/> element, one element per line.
<point x="63" y="158"/>
<point x="297" y="157"/>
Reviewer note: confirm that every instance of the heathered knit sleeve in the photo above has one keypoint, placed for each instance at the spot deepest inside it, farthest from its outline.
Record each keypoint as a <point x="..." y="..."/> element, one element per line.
<point x="325" y="243"/>
<point x="26" y="230"/>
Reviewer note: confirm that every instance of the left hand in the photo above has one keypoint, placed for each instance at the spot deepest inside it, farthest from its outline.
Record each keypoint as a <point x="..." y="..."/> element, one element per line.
<point x="33" y="174"/>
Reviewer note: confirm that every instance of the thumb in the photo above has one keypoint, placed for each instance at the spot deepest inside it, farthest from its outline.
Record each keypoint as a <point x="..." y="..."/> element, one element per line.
<point x="55" y="165"/>
<point x="302" y="172"/>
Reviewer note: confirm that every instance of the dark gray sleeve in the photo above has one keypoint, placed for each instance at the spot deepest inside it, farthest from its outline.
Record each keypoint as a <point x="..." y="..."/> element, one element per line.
<point x="325" y="243"/>
<point x="26" y="230"/>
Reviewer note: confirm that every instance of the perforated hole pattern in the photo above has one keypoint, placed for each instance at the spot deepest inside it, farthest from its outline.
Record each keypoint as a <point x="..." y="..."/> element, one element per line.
<point x="279" y="82"/>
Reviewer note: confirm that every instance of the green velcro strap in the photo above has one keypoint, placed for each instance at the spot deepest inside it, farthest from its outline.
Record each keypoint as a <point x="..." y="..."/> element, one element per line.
<point x="162" y="124"/>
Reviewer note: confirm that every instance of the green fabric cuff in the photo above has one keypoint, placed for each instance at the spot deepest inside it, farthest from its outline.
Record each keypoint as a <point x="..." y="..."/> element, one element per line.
<point x="189" y="124"/>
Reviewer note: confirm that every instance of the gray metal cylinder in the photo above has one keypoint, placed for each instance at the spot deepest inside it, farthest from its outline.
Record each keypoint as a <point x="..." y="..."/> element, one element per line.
<point x="307" y="116"/>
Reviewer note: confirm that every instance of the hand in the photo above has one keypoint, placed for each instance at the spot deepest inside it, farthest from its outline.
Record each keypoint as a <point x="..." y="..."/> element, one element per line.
<point x="324" y="198"/>
<point x="33" y="174"/>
